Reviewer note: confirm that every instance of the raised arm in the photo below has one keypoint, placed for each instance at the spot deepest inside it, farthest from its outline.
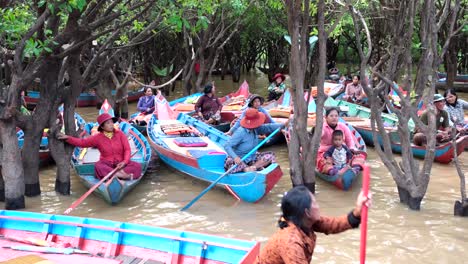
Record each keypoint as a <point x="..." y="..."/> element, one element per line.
<point x="82" y="142"/>
<point x="268" y="128"/>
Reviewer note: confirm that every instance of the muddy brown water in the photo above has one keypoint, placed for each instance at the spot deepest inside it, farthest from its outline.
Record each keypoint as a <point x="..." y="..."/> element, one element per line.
<point x="395" y="234"/>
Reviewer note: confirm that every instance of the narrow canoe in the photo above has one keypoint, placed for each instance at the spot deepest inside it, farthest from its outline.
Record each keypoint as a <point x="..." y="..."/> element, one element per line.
<point x="83" y="161"/>
<point x="344" y="179"/>
<point x="110" y="242"/>
<point x="206" y="163"/>
<point x="44" y="151"/>
<point x="84" y="99"/>
<point x="359" y="119"/>
<point x="186" y="104"/>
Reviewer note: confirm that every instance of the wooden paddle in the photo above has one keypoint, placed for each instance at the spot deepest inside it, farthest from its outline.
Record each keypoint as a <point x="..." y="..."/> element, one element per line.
<point x="254" y="150"/>
<point x="81" y="199"/>
<point x="364" y="210"/>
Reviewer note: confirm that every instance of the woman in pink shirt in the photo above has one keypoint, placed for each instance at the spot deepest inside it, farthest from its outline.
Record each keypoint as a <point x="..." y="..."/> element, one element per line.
<point x="354" y="91"/>
<point x="331" y="124"/>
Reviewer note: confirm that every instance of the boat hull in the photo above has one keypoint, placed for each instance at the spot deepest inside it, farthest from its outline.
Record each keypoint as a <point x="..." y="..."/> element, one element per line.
<point x="246" y="186"/>
<point x="83" y="100"/>
<point x="108" y="241"/>
<point x="114" y="189"/>
<point x="343" y="180"/>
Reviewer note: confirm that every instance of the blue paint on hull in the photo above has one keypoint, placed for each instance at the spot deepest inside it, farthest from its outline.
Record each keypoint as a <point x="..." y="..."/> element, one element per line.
<point x="143" y="237"/>
<point x="247" y="186"/>
<point x="114" y="190"/>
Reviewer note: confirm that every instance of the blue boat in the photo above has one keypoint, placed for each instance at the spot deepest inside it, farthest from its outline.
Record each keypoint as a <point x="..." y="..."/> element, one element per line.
<point x="202" y="157"/>
<point x="92" y="241"/>
<point x="359" y="119"/>
<point x="83" y="161"/>
<point x="344" y="179"/>
<point x="84" y="99"/>
<point x="44" y="151"/>
<point x="142" y="128"/>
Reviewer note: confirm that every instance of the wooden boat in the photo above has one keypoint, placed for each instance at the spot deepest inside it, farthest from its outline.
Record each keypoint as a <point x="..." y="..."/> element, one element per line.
<point x="142" y="128"/>
<point x="359" y="119"/>
<point x="92" y="241"/>
<point x="83" y="100"/>
<point x="331" y="89"/>
<point x="44" y="151"/>
<point x="232" y="105"/>
<point x="344" y="179"/>
<point x="114" y="189"/>
<point x="206" y="162"/>
<point x="362" y="123"/>
<point x="460" y="83"/>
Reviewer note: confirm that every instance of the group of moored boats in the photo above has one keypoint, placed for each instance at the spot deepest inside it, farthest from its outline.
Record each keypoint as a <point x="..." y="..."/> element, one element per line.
<point x="194" y="148"/>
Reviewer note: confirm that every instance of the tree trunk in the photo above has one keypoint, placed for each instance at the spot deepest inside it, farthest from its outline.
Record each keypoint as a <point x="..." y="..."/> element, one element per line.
<point x="12" y="169"/>
<point x="2" y="183"/>
<point x="30" y="157"/>
<point x="451" y="63"/>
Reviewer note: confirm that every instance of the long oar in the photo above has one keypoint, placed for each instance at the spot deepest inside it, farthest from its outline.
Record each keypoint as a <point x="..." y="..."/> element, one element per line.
<point x="228" y="171"/>
<point x="365" y="191"/>
<point x="81" y="199"/>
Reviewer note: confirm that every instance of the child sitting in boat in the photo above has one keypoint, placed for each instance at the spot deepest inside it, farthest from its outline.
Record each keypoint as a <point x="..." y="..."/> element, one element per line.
<point x="339" y="154"/>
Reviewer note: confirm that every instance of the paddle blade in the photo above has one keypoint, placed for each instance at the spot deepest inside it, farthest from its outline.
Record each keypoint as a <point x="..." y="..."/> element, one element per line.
<point x="254" y="150"/>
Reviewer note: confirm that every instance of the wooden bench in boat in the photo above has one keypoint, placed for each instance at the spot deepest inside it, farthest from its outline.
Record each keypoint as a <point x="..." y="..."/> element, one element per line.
<point x="184" y="150"/>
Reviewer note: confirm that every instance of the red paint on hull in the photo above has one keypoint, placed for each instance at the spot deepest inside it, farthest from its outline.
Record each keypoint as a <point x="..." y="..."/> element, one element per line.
<point x="174" y="155"/>
<point x="98" y="248"/>
<point x="272" y="178"/>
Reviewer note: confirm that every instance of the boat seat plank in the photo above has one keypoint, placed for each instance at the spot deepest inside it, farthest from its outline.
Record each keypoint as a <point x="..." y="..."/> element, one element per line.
<point x="135" y="260"/>
<point x="211" y="146"/>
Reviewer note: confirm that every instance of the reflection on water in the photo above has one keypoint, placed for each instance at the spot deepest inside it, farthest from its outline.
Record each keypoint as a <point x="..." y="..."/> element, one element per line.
<point x="395" y="233"/>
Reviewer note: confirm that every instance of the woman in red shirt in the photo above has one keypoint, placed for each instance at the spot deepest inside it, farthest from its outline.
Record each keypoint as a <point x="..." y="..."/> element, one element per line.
<point x="114" y="149"/>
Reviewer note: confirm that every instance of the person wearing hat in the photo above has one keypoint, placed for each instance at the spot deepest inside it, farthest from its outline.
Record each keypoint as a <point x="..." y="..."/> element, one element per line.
<point x="442" y="123"/>
<point x="277" y="87"/>
<point x="114" y="149"/>
<point x="255" y="101"/>
<point x="245" y="138"/>
<point x="208" y="107"/>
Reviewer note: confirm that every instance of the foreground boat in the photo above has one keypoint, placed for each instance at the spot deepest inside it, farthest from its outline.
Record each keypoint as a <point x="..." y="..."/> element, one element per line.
<point x="91" y="241"/>
<point x="83" y="160"/>
<point x="202" y="157"/>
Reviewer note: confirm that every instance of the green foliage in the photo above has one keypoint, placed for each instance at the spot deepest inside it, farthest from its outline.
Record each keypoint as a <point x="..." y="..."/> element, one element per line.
<point x="14" y="23"/>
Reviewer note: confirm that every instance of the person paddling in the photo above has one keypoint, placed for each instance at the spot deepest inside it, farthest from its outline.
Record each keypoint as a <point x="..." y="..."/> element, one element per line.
<point x="300" y="219"/>
<point x="114" y="149"/>
<point x="245" y="138"/>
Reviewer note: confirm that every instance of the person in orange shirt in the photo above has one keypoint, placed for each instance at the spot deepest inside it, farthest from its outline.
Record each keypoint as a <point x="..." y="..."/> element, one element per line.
<point x="295" y="241"/>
